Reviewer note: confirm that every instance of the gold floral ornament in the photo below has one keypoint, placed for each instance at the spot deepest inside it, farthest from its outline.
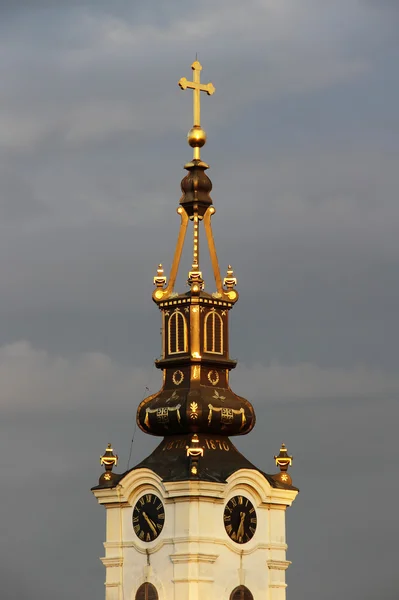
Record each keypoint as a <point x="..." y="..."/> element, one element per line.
<point x="217" y="396"/>
<point x="194" y="411"/>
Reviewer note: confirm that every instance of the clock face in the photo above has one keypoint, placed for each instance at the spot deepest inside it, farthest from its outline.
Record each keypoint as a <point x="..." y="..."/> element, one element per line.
<point x="148" y="517"/>
<point x="240" y="519"/>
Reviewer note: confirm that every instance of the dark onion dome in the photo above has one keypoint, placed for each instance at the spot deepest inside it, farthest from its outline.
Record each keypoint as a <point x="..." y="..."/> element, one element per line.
<point x="196" y="187"/>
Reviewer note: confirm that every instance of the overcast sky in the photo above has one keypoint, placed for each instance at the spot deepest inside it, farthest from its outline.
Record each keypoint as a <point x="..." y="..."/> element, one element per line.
<point x="303" y="147"/>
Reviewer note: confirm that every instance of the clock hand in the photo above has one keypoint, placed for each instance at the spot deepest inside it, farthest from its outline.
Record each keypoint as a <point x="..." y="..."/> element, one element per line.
<point x="150" y="523"/>
<point x="240" y="530"/>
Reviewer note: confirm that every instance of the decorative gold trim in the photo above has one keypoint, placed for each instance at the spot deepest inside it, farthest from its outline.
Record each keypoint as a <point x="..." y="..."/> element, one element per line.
<point x="226" y="415"/>
<point x="194" y="411"/>
<point x="174" y="322"/>
<point x="195" y="349"/>
<point x="211" y="350"/>
<point x="178" y="377"/>
<point x="162" y="414"/>
<point x="213" y="377"/>
<point x="212" y="249"/>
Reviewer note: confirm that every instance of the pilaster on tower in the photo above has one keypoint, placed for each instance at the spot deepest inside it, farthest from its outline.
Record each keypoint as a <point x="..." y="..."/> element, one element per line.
<point x="195" y="520"/>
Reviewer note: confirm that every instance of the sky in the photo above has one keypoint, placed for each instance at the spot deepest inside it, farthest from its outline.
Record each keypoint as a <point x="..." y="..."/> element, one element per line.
<point x="303" y="148"/>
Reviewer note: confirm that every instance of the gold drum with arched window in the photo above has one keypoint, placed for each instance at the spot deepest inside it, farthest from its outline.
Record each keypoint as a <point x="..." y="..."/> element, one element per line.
<point x="213" y="330"/>
<point x="241" y="593"/>
<point x="177" y="333"/>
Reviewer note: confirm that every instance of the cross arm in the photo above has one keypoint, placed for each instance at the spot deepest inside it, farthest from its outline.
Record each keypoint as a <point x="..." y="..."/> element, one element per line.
<point x="209" y="88"/>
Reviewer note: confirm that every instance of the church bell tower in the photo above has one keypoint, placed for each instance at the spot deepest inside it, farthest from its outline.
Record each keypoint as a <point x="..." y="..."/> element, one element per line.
<point x="195" y="520"/>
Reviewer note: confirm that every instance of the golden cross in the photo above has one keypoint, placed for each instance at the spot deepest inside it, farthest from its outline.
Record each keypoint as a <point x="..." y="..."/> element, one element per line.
<point x="197" y="87"/>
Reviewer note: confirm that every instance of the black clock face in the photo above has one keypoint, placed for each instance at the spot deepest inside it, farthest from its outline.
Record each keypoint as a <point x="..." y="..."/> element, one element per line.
<point x="240" y="519"/>
<point x="148" y="517"/>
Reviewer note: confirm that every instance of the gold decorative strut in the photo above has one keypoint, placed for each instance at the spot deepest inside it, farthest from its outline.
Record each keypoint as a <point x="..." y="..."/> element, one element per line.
<point x="196" y="136"/>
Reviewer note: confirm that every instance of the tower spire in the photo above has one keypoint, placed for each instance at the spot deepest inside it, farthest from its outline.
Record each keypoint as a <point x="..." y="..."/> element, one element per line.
<point x="196" y="396"/>
<point x="189" y="514"/>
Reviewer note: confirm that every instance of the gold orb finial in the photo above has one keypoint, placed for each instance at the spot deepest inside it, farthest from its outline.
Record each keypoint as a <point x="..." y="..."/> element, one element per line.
<point x="196" y="137"/>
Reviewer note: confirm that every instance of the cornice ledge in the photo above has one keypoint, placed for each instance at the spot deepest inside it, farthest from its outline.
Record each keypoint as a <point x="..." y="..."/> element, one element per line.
<point x="193" y="580"/>
<point x="278" y="585"/>
<point x="194" y="489"/>
<point x="281" y="565"/>
<point x="115" y="561"/>
<point x="280" y="496"/>
<point x="197" y="557"/>
<point x="110" y="496"/>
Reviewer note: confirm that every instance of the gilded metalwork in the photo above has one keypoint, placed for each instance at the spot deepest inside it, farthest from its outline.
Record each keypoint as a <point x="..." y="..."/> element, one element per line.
<point x="178" y="377"/>
<point x="230" y="281"/>
<point x="213" y="333"/>
<point x="283" y="460"/>
<point x="195" y="449"/>
<point x="213" y="377"/>
<point x="196" y="136"/>
<point x="194" y="411"/>
<point x="224" y="415"/>
<point x="160" y="279"/>
<point x="162" y="414"/>
<point x="162" y="294"/>
<point x="173" y="397"/>
<point x="109" y="459"/>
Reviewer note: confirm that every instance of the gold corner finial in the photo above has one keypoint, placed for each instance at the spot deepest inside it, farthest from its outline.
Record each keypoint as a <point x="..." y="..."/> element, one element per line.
<point x="230" y="281"/>
<point x="196" y="136"/>
<point x="283" y="460"/>
<point x="160" y="279"/>
<point x="109" y="459"/>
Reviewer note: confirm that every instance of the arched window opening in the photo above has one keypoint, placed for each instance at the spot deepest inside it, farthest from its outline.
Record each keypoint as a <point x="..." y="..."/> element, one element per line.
<point x="177" y="333"/>
<point x="147" y="592"/>
<point x="241" y="593"/>
<point x="213" y="333"/>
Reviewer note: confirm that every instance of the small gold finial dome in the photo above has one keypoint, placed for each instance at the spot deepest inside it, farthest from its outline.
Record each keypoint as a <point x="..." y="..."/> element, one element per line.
<point x="283" y="460"/>
<point x="196" y="137"/>
<point x="108" y="460"/>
